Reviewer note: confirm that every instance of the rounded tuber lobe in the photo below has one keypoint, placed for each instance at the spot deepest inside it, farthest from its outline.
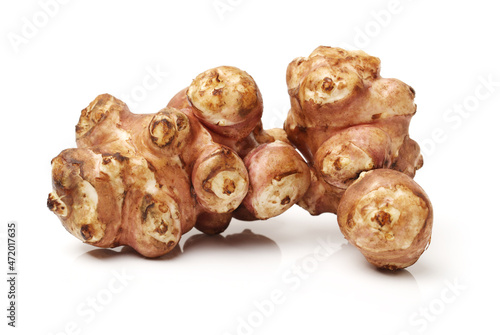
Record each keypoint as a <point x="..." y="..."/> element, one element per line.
<point x="227" y="101"/>
<point x="278" y="179"/>
<point x="388" y="217"/>
<point x="220" y="179"/>
<point x="349" y="152"/>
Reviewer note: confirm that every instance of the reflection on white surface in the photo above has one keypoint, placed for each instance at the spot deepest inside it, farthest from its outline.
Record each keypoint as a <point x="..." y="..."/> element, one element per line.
<point x="293" y="273"/>
<point x="257" y="277"/>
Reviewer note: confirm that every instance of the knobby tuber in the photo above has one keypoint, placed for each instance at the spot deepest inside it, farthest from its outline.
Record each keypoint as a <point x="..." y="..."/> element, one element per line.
<point x="346" y="119"/>
<point x="228" y="103"/>
<point x="144" y="180"/>
<point x="386" y="215"/>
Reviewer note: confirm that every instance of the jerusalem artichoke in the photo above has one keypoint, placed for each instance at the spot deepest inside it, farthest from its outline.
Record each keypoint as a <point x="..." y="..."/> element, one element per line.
<point x="228" y="102"/>
<point x="347" y="120"/>
<point x="388" y="217"/>
<point x="142" y="180"/>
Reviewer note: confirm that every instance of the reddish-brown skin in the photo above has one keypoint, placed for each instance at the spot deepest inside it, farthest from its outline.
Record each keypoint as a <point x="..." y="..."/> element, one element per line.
<point x="356" y="144"/>
<point x="214" y="90"/>
<point x="331" y="92"/>
<point x="213" y="223"/>
<point x="227" y="101"/>
<point x="346" y="120"/>
<point x="413" y="226"/>
<point x="241" y="144"/>
<point x="144" y="180"/>
<point x="278" y="179"/>
<point x="132" y="177"/>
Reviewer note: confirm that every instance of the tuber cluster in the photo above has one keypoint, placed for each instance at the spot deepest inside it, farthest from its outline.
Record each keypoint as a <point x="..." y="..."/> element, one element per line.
<point x="228" y="103"/>
<point x="352" y="126"/>
<point x="143" y="180"/>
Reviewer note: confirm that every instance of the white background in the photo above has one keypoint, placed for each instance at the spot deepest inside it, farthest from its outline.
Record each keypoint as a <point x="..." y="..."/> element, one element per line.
<point x="446" y="50"/>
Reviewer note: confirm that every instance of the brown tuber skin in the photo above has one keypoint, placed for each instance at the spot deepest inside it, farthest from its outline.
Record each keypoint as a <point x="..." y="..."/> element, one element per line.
<point x="388" y="217"/>
<point x="347" y="120"/>
<point x="143" y="180"/>
<point x="228" y="102"/>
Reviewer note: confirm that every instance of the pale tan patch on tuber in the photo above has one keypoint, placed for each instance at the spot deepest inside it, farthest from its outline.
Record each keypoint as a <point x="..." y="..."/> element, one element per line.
<point x="224" y="96"/>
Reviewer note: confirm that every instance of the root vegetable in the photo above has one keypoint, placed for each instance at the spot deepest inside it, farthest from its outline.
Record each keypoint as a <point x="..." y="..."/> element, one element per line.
<point x="388" y="217"/>
<point x="346" y="119"/>
<point x="350" y="122"/>
<point x="228" y="102"/>
<point x="143" y="180"/>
